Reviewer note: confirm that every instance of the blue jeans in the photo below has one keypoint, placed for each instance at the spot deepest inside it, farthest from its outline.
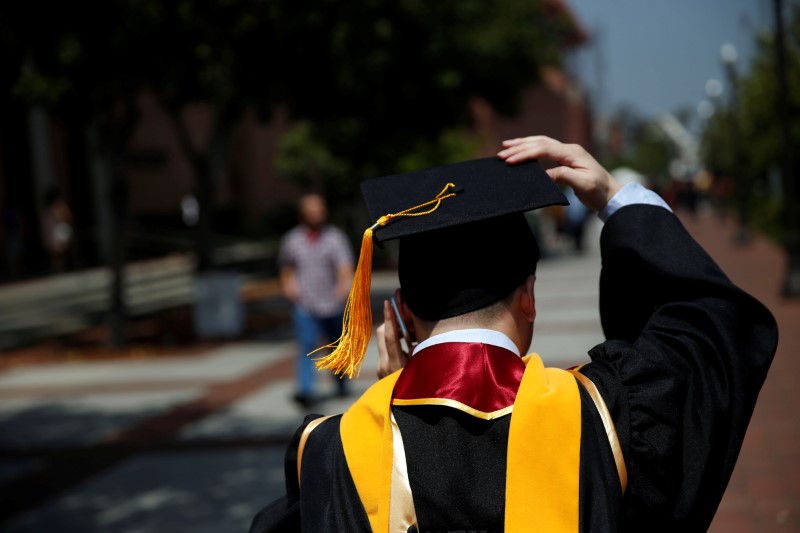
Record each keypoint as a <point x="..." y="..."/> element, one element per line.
<point x="312" y="332"/>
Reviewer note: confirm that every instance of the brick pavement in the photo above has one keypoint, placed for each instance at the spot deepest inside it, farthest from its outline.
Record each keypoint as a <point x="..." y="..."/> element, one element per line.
<point x="764" y="492"/>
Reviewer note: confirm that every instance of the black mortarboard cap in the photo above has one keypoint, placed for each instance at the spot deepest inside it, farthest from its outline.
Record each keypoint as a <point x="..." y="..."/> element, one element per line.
<point x="476" y="247"/>
<point x="484" y="188"/>
<point x="464" y="242"/>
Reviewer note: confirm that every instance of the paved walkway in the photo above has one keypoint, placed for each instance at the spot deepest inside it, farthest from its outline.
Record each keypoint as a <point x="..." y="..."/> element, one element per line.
<point x="764" y="492"/>
<point x="194" y="441"/>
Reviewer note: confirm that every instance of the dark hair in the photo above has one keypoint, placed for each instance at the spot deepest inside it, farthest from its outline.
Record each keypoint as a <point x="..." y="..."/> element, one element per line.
<point x="453" y="271"/>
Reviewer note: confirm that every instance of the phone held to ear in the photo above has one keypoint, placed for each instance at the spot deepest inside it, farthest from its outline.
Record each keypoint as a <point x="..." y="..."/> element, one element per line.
<point x="410" y="343"/>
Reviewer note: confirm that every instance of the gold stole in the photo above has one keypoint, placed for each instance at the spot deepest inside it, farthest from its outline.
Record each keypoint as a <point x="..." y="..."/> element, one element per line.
<point x="543" y="464"/>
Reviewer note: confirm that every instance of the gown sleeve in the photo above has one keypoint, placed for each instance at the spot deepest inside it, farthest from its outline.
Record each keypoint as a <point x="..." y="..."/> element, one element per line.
<point x="686" y="355"/>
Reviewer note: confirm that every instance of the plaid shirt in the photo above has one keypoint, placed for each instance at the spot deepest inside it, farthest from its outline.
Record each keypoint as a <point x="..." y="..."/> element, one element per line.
<point x="316" y="258"/>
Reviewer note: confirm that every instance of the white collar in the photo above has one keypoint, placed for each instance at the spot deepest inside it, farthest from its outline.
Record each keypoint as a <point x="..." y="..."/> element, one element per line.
<point x="484" y="336"/>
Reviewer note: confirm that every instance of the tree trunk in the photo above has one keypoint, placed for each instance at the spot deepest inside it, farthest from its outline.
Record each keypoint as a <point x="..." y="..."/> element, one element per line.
<point x="204" y="235"/>
<point x="118" y="199"/>
<point x="110" y="233"/>
<point x="109" y="136"/>
<point x="41" y="154"/>
<point x="741" y="177"/>
<point x="208" y="165"/>
<point x="791" y="194"/>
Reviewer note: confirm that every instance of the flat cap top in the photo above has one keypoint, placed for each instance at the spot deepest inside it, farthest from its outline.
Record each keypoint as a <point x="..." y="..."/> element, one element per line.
<point x="484" y="189"/>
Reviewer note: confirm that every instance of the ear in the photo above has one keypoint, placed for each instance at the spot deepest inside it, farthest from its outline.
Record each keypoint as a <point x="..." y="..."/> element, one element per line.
<point x="405" y="312"/>
<point x="528" y="299"/>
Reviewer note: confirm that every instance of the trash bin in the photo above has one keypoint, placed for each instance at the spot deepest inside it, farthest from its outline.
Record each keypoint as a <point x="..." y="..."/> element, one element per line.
<point x="218" y="307"/>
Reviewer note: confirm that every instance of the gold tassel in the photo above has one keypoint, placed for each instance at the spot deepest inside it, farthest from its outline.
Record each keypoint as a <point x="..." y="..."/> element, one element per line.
<point x="349" y="349"/>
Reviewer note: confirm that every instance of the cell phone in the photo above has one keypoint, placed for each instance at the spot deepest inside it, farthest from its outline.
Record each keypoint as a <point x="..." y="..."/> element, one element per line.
<point x="403" y="328"/>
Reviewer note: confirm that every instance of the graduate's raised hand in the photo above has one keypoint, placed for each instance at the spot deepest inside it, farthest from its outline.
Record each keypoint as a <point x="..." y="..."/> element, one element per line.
<point x="391" y="356"/>
<point x="593" y="185"/>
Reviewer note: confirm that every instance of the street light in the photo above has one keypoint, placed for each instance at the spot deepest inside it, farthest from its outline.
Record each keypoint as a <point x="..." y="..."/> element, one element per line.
<point x="728" y="53"/>
<point x="729" y="56"/>
<point x="705" y="109"/>
<point x="713" y="88"/>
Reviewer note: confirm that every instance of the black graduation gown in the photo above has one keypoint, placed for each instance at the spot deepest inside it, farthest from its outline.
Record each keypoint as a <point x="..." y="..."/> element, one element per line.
<point x="686" y="357"/>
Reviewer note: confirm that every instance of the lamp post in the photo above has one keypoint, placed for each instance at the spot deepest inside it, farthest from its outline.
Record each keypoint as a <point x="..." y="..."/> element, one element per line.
<point x="713" y="92"/>
<point x="742" y="193"/>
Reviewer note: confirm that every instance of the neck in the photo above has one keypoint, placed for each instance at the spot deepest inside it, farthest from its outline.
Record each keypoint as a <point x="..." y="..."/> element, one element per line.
<point x="505" y="325"/>
<point x="513" y="317"/>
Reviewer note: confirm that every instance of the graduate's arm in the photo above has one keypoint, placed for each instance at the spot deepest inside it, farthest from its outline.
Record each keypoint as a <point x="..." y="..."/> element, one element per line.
<point x="687" y="354"/>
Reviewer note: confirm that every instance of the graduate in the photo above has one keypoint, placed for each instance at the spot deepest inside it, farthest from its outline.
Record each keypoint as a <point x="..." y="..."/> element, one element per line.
<point x="470" y="433"/>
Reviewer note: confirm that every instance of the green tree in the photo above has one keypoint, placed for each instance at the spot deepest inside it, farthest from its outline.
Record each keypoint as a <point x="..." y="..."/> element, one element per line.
<point x="759" y="87"/>
<point x="652" y="154"/>
<point x="716" y="146"/>
<point x="385" y="86"/>
<point x="761" y="137"/>
<point x="649" y="150"/>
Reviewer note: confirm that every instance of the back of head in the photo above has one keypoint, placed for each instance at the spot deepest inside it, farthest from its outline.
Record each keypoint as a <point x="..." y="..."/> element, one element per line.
<point x="463" y="268"/>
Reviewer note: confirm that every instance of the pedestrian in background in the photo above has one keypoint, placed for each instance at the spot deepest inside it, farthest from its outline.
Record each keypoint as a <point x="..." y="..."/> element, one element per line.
<point x="316" y="270"/>
<point x="575" y="219"/>
<point x="57" y="230"/>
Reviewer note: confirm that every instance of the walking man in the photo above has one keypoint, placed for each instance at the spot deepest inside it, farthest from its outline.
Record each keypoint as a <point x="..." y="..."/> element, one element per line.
<point x="316" y="269"/>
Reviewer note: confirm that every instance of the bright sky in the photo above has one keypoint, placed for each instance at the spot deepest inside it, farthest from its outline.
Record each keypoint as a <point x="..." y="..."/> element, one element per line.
<point x="658" y="54"/>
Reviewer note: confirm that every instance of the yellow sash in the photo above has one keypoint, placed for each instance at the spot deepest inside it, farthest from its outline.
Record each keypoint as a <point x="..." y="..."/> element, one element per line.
<point x="543" y="465"/>
<point x="544" y="452"/>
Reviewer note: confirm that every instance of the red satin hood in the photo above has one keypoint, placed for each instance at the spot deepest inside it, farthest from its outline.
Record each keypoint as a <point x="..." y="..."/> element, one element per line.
<point x="483" y="377"/>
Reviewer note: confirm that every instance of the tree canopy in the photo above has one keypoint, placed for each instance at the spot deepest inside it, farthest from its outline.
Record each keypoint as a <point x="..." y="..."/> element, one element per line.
<point x="759" y="128"/>
<point x="375" y="84"/>
<point x="385" y="86"/>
